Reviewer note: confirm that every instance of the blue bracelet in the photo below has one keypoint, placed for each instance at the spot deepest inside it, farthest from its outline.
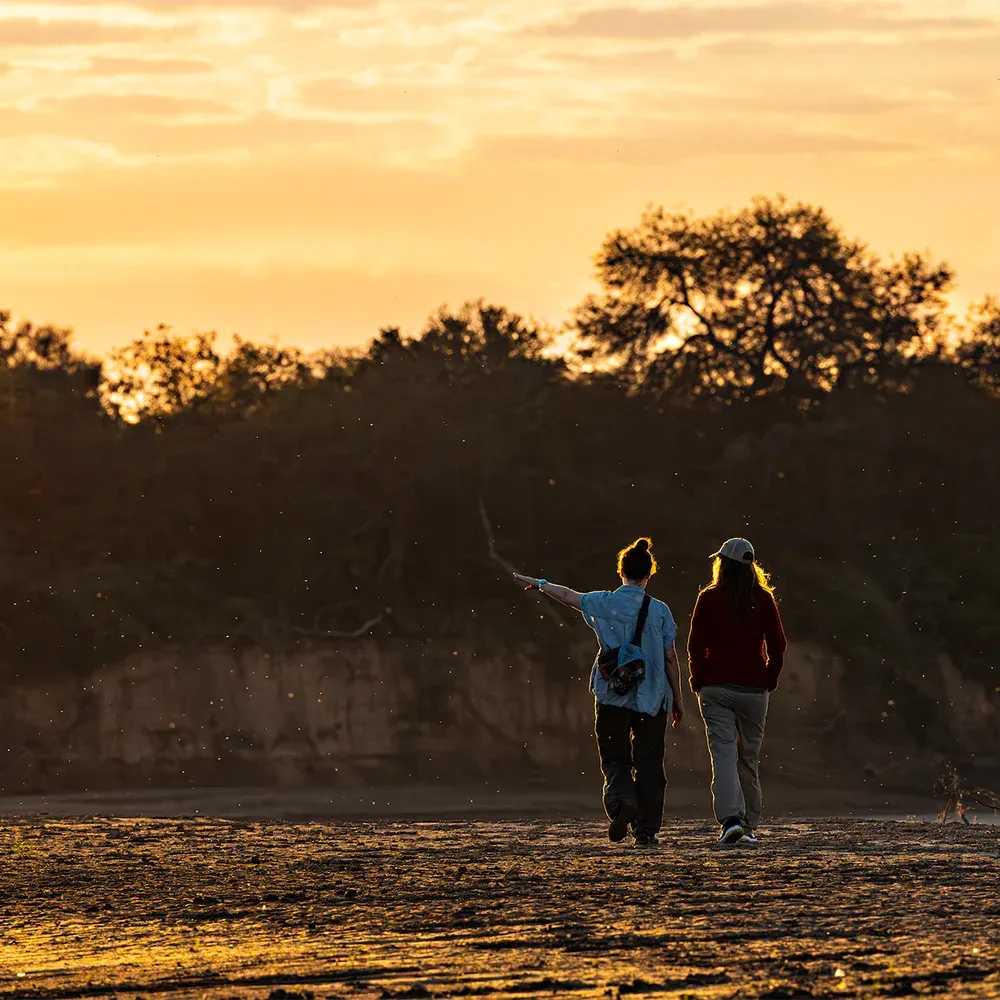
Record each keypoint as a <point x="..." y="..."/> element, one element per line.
<point x="541" y="583"/>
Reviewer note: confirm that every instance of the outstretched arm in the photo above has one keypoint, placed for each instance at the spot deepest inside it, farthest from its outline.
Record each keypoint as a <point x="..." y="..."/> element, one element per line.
<point x="563" y="595"/>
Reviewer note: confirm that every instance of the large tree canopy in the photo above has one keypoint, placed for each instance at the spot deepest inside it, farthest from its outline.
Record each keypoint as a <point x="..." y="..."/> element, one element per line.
<point x="744" y="303"/>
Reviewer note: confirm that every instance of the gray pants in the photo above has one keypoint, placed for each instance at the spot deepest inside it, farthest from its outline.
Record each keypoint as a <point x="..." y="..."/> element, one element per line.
<point x="734" y="726"/>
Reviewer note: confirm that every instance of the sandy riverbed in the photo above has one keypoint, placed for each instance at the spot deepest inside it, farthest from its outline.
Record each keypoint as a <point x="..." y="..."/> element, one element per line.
<point x="235" y="908"/>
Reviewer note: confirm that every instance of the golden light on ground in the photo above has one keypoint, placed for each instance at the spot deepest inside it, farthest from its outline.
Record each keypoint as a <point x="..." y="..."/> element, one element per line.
<point x="314" y="170"/>
<point x="218" y="908"/>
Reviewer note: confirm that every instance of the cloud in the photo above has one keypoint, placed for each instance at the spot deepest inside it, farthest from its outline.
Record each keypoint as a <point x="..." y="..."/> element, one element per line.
<point x="689" y="21"/>
<point x="853" y="75"/>
<point x="984" y="44"/>
<point x="31" y="33"/>
<point x="659" y="59"/>
<point x="159" y="125"/>
<point x="34" y="160"/>
<point x="110" y="106"/>
<point x="682" y="142"/>
<point x="16" y="121"/>
<point x="336" y="94"/>
<point x="109" y="66"/>
<point x="292" y="7"/>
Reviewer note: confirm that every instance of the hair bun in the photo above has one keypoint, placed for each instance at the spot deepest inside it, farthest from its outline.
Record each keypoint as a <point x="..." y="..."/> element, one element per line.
<point x="637" y="562"/>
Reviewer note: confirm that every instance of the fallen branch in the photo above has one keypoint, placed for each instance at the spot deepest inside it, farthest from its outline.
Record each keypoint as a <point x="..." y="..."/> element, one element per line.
<point x="330" y="634"/>
<point x="547" y="608"/>
<point x="957" y="794"/>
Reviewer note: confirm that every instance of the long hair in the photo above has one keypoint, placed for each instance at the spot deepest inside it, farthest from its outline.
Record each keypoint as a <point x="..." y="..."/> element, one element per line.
<point x="740" y="582"/>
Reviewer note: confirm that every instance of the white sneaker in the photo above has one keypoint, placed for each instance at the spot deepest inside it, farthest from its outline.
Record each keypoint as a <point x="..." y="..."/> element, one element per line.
<point x="731" y="833"/>
<point x="749" y="837"/>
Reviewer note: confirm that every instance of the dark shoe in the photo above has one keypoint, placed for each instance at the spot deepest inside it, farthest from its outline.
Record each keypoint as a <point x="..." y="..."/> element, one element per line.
<point x="732" y="831"/>
<point x="646" y="840"/>
<point x="618" y="827"/>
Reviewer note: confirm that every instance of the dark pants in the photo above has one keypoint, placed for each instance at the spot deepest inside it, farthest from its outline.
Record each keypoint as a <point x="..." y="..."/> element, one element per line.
<point x="632" y="742"/>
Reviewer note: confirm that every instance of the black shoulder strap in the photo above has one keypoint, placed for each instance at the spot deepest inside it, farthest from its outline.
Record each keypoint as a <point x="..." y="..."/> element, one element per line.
<point x="640" y="622"/>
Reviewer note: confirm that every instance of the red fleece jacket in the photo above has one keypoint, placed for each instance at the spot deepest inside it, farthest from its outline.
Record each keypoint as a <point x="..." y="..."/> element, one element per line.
<point x="724" y="649"/>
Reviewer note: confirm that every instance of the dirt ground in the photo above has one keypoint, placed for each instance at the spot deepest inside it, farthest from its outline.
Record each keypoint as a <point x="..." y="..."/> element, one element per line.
<point x="254" y="909"/>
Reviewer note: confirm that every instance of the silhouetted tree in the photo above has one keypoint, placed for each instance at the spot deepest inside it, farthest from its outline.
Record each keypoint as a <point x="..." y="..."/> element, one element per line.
<point x="41" y="377"/>
<point x="478" y="339"/>
<point x="40" y="347"/>
<point x="746" y="303"/>
<point x="978" y="354"/>
<point x="252" y="371"/>
<point x="161" y="375"/>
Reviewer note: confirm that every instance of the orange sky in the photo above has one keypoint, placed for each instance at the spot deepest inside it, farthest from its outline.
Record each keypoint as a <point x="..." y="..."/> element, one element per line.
<point x="314" y="170"/>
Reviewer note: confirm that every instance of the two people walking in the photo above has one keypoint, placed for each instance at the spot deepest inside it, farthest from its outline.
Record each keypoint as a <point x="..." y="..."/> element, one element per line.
<point x="736" y="647"/>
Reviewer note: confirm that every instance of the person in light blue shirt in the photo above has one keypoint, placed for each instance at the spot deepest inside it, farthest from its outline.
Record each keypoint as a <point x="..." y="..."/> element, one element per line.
<point x="630" y="718"/>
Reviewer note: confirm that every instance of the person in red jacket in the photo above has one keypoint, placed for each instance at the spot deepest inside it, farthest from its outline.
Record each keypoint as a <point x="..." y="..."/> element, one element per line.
<point x="736" y="648"/>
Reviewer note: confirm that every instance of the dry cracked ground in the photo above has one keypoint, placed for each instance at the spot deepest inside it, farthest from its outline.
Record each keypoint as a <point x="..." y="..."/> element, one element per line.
<point x="223" y="909"/>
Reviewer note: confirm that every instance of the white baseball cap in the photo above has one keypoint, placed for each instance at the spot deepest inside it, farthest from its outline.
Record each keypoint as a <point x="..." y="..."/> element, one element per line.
<point x="738" y="549"/>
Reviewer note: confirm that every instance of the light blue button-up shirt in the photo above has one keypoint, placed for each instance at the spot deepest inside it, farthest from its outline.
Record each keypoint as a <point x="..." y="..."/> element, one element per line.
<point x="612" y="615"/>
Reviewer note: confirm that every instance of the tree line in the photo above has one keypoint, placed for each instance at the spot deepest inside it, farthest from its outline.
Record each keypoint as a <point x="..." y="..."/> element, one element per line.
<point x="750" y="372"/>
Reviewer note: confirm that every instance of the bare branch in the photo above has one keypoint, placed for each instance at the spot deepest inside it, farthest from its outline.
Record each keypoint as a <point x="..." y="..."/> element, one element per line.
<point x="546" y="606"/>
<point x="710" y="335"/>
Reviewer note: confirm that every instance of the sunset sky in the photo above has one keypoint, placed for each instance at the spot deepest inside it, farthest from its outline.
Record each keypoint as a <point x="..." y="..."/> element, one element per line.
<point x="314" y="170"/>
